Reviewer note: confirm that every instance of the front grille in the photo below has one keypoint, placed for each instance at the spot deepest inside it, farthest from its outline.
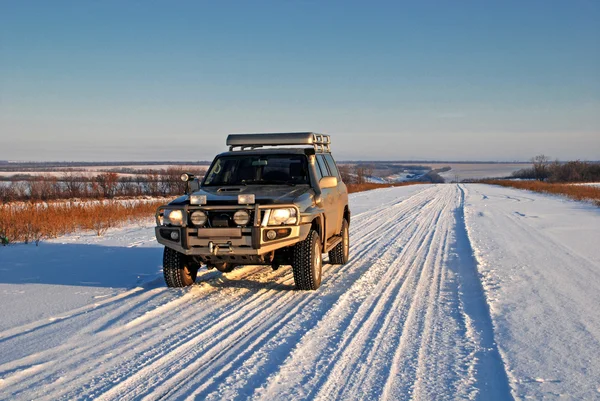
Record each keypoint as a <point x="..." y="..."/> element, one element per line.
<point x="224" y="218"/>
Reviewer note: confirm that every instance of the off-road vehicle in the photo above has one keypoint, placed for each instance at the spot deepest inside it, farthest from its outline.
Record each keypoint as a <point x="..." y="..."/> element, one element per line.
<point x="272" y="199"/>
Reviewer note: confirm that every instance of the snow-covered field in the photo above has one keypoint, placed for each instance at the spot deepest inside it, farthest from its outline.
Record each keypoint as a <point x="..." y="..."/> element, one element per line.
<point x="476" y="171"/>
<point x="452" y="292"/>
<point x="591" y="184"/>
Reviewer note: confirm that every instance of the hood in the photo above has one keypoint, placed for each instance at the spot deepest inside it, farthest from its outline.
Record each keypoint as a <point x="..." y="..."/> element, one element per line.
<point x="265" y="194"/>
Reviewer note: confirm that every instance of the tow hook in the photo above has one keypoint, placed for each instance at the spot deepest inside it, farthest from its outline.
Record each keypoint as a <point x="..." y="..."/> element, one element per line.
<point x="214" y="248"/>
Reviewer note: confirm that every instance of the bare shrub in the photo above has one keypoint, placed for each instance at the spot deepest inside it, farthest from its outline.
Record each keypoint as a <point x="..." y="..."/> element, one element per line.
<point x="362" y="172"/>
<point x="107" y="183"/>
<point x="74" y="185"/>
<point x="540" y="167"/>
<point x="346" y="173"/>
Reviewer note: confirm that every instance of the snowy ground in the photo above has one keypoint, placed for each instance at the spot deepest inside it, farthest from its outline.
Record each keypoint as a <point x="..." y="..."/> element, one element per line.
<point x="470" y="291"/>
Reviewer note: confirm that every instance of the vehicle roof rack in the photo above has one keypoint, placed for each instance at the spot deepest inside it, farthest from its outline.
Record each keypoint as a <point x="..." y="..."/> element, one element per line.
<point x="321" y="142"/>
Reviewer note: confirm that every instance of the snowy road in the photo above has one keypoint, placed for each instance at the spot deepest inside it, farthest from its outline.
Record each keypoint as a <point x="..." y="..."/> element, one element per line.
<point x="409" y="317"/>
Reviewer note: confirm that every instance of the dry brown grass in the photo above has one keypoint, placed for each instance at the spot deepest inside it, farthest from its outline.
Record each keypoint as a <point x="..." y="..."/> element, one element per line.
<point x="577" y="192"/>
<point x="369" y="186"/>
<point x="33" y="222"/>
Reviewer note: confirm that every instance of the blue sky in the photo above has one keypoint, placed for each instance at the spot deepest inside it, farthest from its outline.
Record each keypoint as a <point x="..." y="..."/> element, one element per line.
<point x="164" y="80"/>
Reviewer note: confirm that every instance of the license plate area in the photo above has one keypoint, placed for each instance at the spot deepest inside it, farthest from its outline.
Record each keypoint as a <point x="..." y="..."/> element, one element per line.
<point x="220" y="232"/>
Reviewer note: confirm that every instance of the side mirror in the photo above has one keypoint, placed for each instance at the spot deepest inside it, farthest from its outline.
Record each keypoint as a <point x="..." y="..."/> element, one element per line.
<point x="187" y="178"/>
<point x="194" y="185"/>
<point x="328" y="182"/>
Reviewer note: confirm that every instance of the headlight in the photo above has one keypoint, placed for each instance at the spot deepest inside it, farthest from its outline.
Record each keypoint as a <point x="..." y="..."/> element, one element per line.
<point x="173" y="217"/>
<point x="282" y="216"/>
<point x="198" y="218"/>
<point x="241" y="217"/>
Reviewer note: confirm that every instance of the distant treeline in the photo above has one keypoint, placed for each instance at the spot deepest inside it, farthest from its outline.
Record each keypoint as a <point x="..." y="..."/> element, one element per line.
<point x="79" y="166"/>
<point x="424" y="162"/>
<point x="574" y="171"/>
<point x="106" y="185"/>
<point x="28" y="175"/>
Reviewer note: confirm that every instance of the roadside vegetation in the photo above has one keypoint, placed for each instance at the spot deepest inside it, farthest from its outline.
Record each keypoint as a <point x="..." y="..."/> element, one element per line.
<point x="556" y="172"/>
<point x="576" y="192"/>
<point x="35" y="208"/>
<point x="556" y="178"/>
<point x="33" y="222"/>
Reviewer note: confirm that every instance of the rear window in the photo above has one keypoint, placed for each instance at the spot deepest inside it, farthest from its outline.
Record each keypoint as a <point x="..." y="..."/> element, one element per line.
<point x="322" y="166"/>
<point x="332" y="167"/>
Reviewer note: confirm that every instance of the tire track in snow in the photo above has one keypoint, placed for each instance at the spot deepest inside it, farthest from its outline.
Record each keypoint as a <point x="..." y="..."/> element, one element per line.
<point x="305" y="298"/>
<point x="386" y="323"/>
<point x="340" y="346"/>
<point x="103" y="356"/>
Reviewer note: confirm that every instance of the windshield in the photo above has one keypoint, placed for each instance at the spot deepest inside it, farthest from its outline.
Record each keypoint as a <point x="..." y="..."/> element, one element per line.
<point x="258" y="170"/>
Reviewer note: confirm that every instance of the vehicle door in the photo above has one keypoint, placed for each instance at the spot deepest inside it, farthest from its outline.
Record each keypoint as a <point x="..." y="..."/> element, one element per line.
<point x="329" y="196"/>
<point x="340" y="193"/>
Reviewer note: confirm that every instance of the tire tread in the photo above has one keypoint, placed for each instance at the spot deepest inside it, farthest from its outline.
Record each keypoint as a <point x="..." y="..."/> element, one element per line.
<point x="336" y="255"/>
<point x="174" y="268"/>
<point x="302" y="260"/>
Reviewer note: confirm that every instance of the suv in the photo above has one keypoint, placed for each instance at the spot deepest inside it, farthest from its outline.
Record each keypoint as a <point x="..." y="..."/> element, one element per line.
<point x="281" y="205"/>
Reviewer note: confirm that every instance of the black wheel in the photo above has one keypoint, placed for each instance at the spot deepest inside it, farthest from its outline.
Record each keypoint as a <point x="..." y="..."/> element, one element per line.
<point x="224" y="267"/>
<point x="178" y="269"/>
<point x="341" y="253"/>
<point x="307" y="263"/>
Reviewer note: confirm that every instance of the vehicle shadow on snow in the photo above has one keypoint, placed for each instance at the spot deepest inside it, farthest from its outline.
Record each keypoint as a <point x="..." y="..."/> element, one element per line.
<point x="90" y="265"/>
<point x="223" y="282"/>
<point x="85" y="265"/>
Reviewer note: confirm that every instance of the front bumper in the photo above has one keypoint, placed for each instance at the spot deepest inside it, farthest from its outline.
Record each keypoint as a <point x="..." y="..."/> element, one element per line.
<point x="228" y="243"/>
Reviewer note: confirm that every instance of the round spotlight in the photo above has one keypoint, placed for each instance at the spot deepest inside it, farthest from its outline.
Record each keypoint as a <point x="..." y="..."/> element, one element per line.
<point x="175" y="235"/>
<point x="185" y="177"/>
<point x="241" y="218"/>
<point x="198" y="218"/>
<point x="271" y="234"/>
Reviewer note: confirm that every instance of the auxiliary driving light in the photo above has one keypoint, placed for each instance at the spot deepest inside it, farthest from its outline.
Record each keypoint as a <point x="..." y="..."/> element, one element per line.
<point x="271" y="234"/>
<point x="198" y="199"/>
<point x="241" y="217"/>
<point x="175" y="235"/>
<point x="198" y="218"/>
<point x="248" y="199"/>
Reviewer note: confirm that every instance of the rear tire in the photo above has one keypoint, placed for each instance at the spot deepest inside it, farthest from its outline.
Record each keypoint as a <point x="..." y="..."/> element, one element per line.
<point x="307" y="263"/>
<point x="178" y="270"/>
<point x="341" y="253"/>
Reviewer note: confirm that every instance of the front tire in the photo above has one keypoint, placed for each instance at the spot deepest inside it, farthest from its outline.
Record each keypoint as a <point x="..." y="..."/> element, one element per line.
<point x="341" y="253"/>
<point x="307" y="263"/>
<point x="178" y="269"/>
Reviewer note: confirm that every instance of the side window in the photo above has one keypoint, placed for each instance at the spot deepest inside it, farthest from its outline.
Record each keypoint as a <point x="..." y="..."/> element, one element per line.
<point x="318" y="170"/>
<point x="322" y="166"/>
<point x="332" y="166"/>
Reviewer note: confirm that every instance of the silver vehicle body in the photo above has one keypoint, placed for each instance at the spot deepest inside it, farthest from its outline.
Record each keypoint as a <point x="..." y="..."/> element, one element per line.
<point x="322" y="204"/>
